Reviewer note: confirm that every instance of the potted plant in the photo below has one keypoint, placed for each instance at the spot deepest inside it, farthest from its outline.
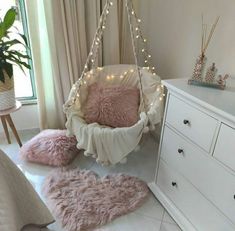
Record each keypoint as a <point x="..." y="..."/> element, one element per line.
<point x="9" y="56"/>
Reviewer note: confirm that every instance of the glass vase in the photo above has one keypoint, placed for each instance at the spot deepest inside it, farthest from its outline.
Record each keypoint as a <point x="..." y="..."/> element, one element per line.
<point x="199" y="67"/>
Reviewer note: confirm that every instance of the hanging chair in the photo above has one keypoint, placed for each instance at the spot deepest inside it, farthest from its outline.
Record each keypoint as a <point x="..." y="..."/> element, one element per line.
<point x="107" y="144"/>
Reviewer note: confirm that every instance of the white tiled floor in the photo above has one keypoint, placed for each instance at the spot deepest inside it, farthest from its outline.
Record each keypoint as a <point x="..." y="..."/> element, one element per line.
<point x="150" y="217"/>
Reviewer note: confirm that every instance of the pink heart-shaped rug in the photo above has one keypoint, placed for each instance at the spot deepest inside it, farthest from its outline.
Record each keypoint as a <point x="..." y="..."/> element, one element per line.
<point x="81" y="200"/>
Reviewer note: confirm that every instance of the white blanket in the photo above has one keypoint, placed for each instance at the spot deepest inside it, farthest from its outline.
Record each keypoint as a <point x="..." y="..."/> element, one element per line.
<point x="111" y="145"/>
<point x="107" y="145"/>
<point x="19" y="203"/>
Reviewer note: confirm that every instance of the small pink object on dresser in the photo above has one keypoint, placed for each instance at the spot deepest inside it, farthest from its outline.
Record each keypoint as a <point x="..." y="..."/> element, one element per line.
<point x="115" y="106"/>
<point x="50" y="147"/>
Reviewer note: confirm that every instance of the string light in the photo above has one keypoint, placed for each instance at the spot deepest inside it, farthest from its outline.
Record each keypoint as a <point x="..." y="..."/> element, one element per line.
<point x="138" y="34"/>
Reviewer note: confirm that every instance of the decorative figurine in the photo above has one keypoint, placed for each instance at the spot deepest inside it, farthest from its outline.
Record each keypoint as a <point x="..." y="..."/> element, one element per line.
<point x="210" y="74"/>
<point x="199" y="67"/>
<point x="222" y="80"/>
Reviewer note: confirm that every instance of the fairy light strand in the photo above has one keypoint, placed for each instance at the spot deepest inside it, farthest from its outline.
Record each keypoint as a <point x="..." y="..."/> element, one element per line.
<point x="92" y="56"/>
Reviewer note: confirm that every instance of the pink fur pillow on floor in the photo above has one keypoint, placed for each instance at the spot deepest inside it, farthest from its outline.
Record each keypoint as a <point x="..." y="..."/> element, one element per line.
<point x="50" y="147"/>
<point x="115" y="106"/>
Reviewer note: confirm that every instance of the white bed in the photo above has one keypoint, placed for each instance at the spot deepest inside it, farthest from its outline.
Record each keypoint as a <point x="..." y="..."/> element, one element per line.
<point x="20" y="205"/>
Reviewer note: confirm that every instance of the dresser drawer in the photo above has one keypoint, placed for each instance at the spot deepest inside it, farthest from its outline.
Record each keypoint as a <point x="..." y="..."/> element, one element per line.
<point x="225" y="146"/>
<point x="191" y="122"/>
<point x="212" y="180"/>
<point x="192" y="204"/>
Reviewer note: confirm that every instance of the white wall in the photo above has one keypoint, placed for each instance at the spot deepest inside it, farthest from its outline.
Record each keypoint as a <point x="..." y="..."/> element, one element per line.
<point x="173" y="29"/>
<point x="25" y="118"/>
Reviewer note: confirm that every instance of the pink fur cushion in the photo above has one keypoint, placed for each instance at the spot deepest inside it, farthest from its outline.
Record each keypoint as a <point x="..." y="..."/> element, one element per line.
<point x="112" y="106"/>
<point x="50" y="147"/>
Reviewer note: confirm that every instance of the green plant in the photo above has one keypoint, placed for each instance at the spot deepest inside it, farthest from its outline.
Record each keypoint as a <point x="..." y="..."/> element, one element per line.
<point x="9" y="55"/>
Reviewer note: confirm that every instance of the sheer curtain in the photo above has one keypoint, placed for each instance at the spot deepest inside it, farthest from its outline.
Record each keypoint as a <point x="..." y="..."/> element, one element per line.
<point x="61" y="32"/>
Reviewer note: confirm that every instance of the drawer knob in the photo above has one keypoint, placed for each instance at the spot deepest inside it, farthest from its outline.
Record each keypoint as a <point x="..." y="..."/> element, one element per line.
<point x="186" y="121"/>
<point x="180" y="150"/>
<point x="234" y="197"/>
<point x="174" y="184"/>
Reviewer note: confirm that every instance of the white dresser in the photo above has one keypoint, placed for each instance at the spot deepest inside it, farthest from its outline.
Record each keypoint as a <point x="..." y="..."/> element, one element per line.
<point x="195" y="175"/>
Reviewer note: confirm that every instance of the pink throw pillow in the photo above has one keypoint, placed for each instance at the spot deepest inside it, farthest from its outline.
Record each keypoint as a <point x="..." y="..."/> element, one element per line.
<point x="115" y="106"/>
<point x="50" y="147"/>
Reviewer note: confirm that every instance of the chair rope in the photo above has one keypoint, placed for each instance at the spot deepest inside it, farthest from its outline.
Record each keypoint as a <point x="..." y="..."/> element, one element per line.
<point x="129" y="8"/>
<point x="91" y="62"/>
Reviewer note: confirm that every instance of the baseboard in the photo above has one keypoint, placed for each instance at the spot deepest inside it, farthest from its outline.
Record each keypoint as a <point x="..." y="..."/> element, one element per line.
<point x="36" y="130"/>
<point x="176" y="214"/>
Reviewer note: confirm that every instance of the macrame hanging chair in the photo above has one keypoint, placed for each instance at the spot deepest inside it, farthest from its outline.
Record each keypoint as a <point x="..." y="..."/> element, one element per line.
<point x="111" y="145"/>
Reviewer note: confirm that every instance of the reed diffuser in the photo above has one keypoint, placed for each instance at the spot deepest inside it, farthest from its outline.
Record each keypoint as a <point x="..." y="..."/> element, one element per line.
<point x="201" y="60"/>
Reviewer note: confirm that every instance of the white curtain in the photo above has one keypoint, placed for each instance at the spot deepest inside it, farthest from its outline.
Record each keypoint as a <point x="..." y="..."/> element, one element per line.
<point x="61" y="32"/>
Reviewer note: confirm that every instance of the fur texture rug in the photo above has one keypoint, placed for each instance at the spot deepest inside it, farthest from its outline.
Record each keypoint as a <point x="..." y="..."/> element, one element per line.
<point x="81" y="200"/>
<point x="50" y="147"/>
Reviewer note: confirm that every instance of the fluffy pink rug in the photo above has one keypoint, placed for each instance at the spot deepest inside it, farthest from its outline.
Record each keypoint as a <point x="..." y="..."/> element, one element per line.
<point x="50" y="147"/>
<point x="82" y="201"/>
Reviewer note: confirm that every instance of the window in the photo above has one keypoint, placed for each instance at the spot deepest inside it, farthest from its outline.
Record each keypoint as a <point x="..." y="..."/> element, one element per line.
<point x="24" y="82"/>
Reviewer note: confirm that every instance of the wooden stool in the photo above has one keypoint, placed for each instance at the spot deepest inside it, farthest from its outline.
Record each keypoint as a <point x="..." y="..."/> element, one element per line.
<point x="6" y="118"/>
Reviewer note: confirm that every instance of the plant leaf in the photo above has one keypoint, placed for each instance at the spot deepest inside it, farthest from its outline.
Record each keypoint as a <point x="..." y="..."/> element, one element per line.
<point x="24" y="38"/>
<point x="15" y="62"/>
<point x="2" y="30"/>
<point x="9" y="69"/>
<point x="20" y="55"/>
<point x="9" y="18"/>
<point x="12" y="42"/>
<point x="19" y="63"/>
<point x="2" y="78"/>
